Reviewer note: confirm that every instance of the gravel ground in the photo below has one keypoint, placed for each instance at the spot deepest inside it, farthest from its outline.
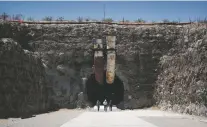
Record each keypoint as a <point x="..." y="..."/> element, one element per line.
<point x="53" y="119"/>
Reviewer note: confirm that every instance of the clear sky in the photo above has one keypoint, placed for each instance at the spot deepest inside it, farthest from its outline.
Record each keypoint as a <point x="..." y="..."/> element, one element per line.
<point x="156" y="11"/>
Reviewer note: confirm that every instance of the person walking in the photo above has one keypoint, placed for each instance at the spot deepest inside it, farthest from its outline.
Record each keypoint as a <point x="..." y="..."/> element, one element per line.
<point x="105" y="105"/>
<point x="98" y="104"/>
<point x="110" y="104"/>
<point x="130" y="102"/>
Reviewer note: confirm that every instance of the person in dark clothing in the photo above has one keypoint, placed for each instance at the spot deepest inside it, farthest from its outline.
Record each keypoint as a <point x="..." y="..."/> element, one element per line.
<point x="105" y="105"/>
<point x="98" y="104"/>
<point x="130" y="102"/>
<point x="110" y="104"/>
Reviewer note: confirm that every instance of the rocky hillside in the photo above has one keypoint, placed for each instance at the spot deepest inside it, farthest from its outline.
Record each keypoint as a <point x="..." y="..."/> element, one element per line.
<point x="23" y="89"/>
<point x="65" y="51"/>
<point x="182" y="83"/>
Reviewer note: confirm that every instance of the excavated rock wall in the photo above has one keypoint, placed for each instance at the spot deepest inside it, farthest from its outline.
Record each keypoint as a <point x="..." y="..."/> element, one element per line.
<point x="66" y="54"/>
<point x="23" y="89"/>
<point x="182" y="83"/>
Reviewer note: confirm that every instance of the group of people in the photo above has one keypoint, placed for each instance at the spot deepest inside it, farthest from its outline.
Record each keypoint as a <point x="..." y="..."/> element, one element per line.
<point x="106" y="105"/>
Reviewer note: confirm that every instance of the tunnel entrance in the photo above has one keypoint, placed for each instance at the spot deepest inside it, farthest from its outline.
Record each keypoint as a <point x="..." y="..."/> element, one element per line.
<point x="96" y="91"/>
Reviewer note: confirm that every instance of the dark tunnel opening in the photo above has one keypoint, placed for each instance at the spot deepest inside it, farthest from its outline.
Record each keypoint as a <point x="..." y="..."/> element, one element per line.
<point x="96" y="91"/>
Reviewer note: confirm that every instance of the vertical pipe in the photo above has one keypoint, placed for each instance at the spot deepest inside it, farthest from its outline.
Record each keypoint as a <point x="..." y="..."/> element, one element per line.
<point x="111" y="58"/>
<point x="98" y="61"/>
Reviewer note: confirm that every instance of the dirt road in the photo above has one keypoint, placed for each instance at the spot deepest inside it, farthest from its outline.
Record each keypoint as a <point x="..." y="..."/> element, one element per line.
<point x="115" y="118"/>
<point x="53" y="119"/>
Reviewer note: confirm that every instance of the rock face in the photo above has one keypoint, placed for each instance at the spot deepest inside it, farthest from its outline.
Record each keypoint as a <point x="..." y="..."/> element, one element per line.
<point x="182" y="83"/>
<point x="66" y="54"/>
<point x="22" y="81"/>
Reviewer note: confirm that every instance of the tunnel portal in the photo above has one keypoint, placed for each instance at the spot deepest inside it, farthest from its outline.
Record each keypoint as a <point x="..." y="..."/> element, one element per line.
<point x="96" y="91"/>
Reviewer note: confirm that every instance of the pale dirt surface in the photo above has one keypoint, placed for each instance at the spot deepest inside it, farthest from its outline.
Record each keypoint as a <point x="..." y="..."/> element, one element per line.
<point x="135" y="118"/>
<point x="169" y="119"/>
<point x="151" y="112"/>
<point x="52" y="119"/>
<point x="3" y="122"/>
<point x="117" y="118"/>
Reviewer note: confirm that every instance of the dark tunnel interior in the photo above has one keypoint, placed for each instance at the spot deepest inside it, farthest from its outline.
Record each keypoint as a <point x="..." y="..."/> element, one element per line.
<point x="96" y="91"/>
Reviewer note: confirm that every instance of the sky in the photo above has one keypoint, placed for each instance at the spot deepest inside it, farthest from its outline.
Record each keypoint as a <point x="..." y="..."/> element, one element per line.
<point x="130" y="10"/>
